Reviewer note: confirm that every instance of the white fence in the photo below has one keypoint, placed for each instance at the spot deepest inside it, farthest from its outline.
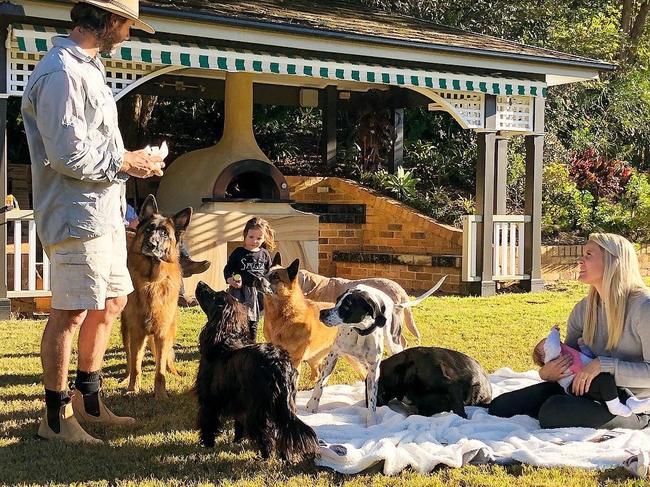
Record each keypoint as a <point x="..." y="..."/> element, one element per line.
<point x="38" y="266"/>
<point x="507" y="247"/>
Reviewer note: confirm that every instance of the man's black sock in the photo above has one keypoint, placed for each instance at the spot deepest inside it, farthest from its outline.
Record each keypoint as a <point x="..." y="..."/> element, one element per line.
<point x="89" y="383"/>
<point x="54" y="400"/>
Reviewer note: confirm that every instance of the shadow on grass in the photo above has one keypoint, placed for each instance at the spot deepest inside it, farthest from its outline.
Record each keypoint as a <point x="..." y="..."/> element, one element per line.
<point x="21" y="396"/>
<point x="163" y="446"/>
<point x="19" y="379"/>
<point x="118" y="370"/>
<point x="20" y="355"/>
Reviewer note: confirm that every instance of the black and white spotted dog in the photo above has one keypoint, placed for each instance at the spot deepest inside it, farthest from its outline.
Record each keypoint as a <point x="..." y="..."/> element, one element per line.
<point x="365" y="316"/>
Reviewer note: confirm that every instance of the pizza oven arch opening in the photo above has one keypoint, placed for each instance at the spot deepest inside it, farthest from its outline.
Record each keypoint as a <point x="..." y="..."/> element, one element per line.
<point x="250" y="179"/>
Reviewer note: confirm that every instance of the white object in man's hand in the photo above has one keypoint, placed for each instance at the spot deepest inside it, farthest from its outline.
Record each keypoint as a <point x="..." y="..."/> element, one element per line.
<point x="162" y="151"/>
<point x="142" y="164"/>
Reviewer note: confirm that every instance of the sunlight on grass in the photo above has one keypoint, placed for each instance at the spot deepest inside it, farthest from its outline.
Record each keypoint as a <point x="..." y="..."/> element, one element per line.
<point x="163" y="448"/>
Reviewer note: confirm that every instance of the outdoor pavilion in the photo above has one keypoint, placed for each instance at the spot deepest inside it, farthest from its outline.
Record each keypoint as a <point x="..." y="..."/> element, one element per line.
<point x="495" y="87"/>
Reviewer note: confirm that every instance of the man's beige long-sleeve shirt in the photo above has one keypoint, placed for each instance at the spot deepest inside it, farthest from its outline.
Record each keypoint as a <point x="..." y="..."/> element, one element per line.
<point x="75" y="146"/>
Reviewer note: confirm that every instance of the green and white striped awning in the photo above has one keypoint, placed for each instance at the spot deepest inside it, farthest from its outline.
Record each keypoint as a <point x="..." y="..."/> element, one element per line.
<point x="37" y="39"/>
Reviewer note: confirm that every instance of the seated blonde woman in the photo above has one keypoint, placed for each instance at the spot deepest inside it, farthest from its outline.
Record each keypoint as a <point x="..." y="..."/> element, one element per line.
<point x="614" y="322"/>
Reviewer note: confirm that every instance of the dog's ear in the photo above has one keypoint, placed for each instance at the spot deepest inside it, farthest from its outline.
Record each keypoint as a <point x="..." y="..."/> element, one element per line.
<point x="149" y="207"/>
<point x="380" y="320"/>
<point x="181" y="221"/>
<point x="292" y="270"/>
<point x="277" y="259"/>
<point x="377" y="310"/>
<point x="447" y="372"/>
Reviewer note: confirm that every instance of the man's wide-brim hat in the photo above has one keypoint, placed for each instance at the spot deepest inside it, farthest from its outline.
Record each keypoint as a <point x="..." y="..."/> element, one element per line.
<point x="129" y="9"/>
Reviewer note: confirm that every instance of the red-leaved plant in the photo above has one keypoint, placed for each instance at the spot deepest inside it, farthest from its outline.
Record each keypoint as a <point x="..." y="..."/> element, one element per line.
<point x="602" y="177"/>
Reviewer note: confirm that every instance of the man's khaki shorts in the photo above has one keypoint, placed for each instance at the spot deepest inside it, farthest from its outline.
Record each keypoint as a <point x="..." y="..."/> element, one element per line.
<point x="87" y="271"/>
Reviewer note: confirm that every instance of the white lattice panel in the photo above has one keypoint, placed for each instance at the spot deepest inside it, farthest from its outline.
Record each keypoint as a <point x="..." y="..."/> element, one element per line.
<point x="20" y="66"/>
<point x="467" y="105"/>
<point x="515" y="113"/>
<point x="119" y="74"/>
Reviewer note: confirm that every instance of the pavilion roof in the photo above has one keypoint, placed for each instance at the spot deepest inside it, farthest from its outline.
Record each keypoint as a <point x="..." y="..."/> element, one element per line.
<point x="344" y="19"/>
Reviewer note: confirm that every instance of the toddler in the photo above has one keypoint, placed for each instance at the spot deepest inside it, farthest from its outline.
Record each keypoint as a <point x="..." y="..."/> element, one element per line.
<point x="603" y="386"/>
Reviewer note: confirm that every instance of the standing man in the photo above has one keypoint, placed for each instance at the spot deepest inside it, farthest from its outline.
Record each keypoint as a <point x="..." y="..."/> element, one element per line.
<point x="79" y="169"/>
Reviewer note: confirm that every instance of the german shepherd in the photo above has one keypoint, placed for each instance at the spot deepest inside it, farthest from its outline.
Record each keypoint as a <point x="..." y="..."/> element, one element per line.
<point x="151" y="311"/>
<point x="291" y="320"/>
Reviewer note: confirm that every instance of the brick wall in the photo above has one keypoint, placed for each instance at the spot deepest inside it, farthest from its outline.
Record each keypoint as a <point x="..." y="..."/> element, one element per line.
<point x="560" y="261"/>
<point x="390" y="228"/>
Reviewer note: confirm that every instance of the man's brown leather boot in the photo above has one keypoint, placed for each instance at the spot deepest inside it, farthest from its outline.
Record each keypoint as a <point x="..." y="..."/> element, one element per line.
<point x="191" y="267"/>
<point x="69" y="428"/>
<point x="106" y="416"/>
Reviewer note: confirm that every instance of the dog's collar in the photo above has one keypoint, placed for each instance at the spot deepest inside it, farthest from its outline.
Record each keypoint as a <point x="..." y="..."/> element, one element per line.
<point x="367" y="331"/>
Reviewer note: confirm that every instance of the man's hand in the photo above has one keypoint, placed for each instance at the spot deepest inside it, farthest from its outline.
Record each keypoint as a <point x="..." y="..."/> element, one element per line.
<point x="141" y="164"/>
<point x="582" y="380"/>
<point x="557" y="368"/>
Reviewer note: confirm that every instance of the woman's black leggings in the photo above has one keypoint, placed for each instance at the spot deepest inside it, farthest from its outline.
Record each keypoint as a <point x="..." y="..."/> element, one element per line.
<point x="554" y="408"/>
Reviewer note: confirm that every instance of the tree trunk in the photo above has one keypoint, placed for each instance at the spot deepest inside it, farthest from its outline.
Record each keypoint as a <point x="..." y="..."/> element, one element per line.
<point x="633" y="27"/>
<point x="639" y="23"/>
<point x="626" y="16"/>
<point x="135" y="114"/>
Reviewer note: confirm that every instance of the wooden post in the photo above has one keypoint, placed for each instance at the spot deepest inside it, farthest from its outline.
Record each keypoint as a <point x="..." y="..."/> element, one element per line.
<point x="329" y="125"/>
<point x="533" y="201"/>
<point x="501" y="176"/>
<point x="396" y="156"/>
<point x="485" y="175"/>
<point x="5" y="304"/>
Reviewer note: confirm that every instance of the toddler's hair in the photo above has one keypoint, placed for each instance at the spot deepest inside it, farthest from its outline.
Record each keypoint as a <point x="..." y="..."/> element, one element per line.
<point x="256" y="223"/>
<point x="537" y="356"/>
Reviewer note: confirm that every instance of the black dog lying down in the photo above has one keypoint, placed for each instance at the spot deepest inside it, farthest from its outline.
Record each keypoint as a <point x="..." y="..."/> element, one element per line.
<point x="252" y="383"/>
<point x="433" y="380"/>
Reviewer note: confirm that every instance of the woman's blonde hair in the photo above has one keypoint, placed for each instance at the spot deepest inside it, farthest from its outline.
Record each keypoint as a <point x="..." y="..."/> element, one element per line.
<point x="621" y="277"/>
<point x="267" y="232"/>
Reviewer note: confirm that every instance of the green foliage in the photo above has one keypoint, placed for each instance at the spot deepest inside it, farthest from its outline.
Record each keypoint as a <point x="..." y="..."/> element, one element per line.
<point x="565" y="209"/>
<point x="568" y="210"/>
<point x="303" y="124"/>
<point x="631" y="215"/>
<point x="402" y="184"/>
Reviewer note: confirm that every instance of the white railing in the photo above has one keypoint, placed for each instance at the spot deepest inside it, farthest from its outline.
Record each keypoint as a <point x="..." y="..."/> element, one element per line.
<point x="507" y="247"/>
<point x="35" y="268"/>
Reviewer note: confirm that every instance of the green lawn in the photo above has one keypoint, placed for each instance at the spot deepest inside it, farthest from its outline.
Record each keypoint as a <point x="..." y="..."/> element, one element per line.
<point x="163" y="449"/>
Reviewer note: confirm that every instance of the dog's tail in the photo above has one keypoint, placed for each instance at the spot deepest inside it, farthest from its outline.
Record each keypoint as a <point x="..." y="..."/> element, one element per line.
<point x="297" y="441"/>
<point x="409" y="324"/>
<point x="418" y="300"/>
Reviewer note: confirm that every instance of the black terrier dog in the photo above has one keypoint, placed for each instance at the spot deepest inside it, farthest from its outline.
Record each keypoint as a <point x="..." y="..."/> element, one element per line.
<point x="254" y="384"/>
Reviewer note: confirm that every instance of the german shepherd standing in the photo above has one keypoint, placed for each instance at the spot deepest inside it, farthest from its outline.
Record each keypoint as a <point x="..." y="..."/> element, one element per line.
<point x="293" y="321"/>
<point x="151" y="311"/>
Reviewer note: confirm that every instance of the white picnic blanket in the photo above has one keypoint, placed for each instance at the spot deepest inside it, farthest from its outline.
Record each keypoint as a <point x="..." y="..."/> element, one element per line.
<point x="422" y="442"/>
